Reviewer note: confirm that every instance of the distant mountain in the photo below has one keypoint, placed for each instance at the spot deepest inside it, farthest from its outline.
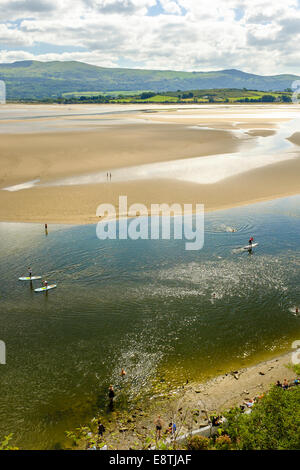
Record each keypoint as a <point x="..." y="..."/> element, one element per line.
<point x="37" y="80"/>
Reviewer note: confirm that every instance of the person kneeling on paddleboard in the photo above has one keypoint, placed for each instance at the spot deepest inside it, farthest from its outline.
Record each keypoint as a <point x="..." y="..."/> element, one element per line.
<point x="45" y="284"/>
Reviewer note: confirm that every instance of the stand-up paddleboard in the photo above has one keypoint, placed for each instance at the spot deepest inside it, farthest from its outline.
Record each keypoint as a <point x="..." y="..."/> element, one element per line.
<point x="27" y="278"/>
<point x="43" y="289"/>
<point x="249" y="247"/>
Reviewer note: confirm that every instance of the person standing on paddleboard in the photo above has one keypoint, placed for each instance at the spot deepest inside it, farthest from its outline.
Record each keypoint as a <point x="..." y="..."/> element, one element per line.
<point x="251" y="239"/>
<point x="29" y="272"/>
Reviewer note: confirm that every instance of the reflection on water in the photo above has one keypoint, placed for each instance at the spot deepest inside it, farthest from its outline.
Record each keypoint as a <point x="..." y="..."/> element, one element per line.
<point x="148" y="306"/>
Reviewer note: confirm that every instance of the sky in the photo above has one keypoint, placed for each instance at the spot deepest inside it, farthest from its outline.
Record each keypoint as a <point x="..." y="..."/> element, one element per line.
<point x="255" y="36"/>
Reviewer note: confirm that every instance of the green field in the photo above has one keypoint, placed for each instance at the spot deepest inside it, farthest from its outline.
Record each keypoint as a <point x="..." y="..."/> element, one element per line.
<point x="190" y="96"/>
<point x="76" y="94"/>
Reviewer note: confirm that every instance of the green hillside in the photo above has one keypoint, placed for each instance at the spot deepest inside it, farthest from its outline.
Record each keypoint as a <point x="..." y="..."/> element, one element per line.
<point x="29" y="80"/>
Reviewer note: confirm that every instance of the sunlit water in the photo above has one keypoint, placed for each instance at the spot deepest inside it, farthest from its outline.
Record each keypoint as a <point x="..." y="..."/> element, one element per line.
<point x="148" y="306"/>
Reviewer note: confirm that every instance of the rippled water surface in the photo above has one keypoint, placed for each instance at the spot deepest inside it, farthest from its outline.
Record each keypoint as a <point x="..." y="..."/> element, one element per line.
<point x="148" y="306"/>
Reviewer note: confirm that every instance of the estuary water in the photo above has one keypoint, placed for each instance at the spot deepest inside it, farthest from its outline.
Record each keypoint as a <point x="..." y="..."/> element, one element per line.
<point x="151" y="307"/>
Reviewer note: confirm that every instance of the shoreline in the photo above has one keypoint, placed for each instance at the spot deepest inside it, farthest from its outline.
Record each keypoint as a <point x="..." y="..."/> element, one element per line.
<point x="190" y="405"/>
<point x="94" y="220"/>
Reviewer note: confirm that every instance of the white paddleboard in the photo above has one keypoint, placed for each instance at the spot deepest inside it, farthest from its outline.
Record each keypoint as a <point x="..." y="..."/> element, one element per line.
<point x="27" y="278"/>
<point x="43" y="289"/>
<point x="249" y="247"/>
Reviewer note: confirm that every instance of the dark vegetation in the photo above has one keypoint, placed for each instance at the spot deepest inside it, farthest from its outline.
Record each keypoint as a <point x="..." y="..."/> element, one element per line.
<point x="33" y="80"/>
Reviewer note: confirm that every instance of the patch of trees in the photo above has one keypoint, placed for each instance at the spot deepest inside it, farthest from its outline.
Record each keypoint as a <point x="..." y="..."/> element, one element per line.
<point x="268" y="99"/>
<point x="147" y="94"/>
<point x="187" y="95"/>
<point x="286" y="99"/>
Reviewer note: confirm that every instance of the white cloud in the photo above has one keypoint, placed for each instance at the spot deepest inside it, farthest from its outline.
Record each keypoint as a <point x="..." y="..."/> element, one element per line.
<point x="170" y="7"/>
<point x="257" y="36"/>
<point x="88" y="57"/>
<point x="11" y="36"/>
<point x="119" y="7"/>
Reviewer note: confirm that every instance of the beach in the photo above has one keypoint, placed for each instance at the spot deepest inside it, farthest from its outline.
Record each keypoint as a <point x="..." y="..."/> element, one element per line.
<point x="217" y="156"/>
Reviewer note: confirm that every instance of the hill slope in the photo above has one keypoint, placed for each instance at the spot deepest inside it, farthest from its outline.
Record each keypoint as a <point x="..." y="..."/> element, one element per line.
<point x="33" y="79"/>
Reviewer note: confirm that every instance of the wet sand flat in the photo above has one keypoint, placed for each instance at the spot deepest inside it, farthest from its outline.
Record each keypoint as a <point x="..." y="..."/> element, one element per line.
<point x="53" y="155"/>
<point x="295" y="138"/>
<point x="78" y="204"/>
<point x="124" y="140"/>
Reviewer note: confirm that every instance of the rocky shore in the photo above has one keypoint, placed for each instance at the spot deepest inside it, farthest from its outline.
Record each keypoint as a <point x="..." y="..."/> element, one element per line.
<point x="189" y="406"/>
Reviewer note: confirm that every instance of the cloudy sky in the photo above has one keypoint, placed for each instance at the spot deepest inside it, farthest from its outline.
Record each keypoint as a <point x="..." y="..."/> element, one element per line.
<point x="258" y="36"/>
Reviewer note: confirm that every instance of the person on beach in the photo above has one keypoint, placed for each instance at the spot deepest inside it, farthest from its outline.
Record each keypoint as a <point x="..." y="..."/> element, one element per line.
<point x="101" y="428"/>
<point x="171" y="428"/>
<point x="158" y="427"/>
<point x="278" y="384"/>
<point x="285" y="384"/>
<point x="123" y="372"/>
<point x="215" y="421"/>
<point x="111" y="396"/>
<point x="249" y="403"/>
